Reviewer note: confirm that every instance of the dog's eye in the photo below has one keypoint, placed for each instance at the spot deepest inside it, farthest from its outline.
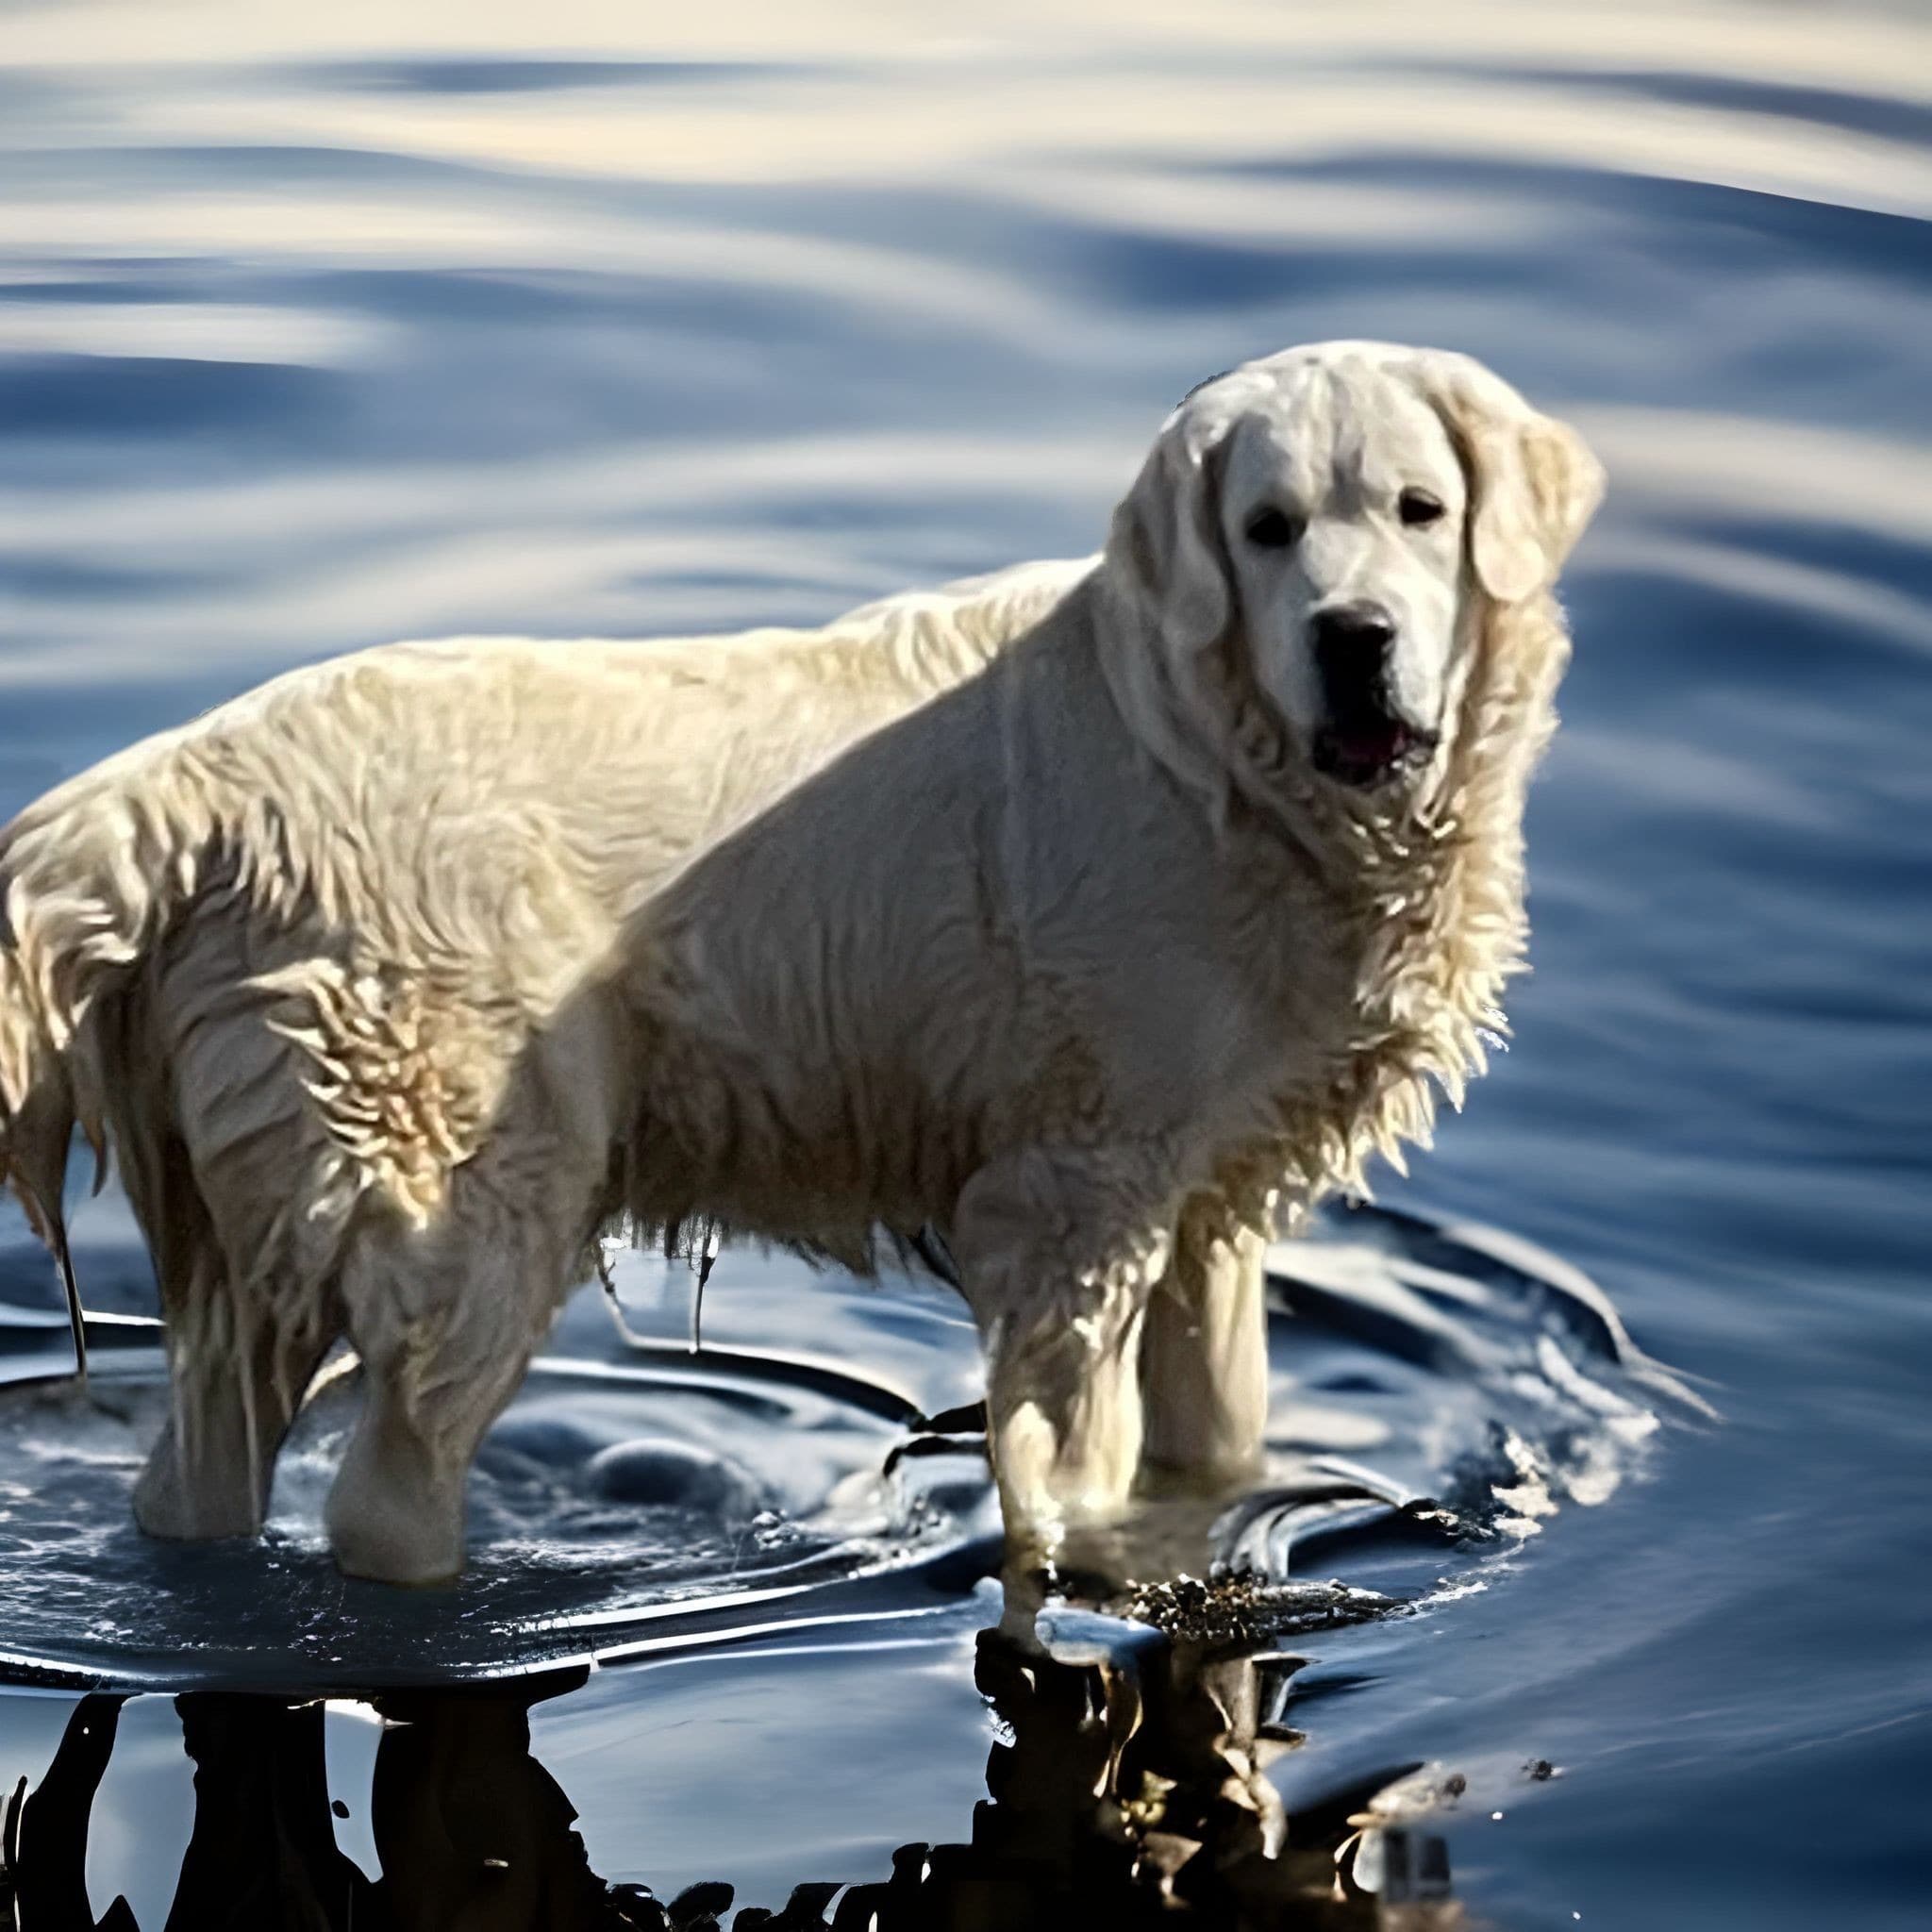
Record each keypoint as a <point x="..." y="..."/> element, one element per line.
<point x="1419" y="506"/>
<point x="1275" y="529"/>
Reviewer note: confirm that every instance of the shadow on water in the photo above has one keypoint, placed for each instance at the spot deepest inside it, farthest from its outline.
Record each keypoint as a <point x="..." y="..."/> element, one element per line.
<point x="1123" y="1792"/>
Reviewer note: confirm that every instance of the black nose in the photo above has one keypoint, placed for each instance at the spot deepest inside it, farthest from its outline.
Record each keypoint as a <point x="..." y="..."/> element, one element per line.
<point x="1354" y="637"/>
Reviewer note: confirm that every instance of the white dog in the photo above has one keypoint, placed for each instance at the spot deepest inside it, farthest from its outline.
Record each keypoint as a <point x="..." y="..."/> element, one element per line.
<point x="394" y="982"/>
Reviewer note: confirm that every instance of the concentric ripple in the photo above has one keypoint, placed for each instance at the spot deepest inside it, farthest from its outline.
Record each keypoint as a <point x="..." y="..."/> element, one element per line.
<point x="1436" y="1391"/>
<point x="628" y="1486"/>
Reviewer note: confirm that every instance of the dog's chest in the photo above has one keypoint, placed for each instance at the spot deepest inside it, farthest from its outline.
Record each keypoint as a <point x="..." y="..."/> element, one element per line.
<point x="1371" y="1000"/>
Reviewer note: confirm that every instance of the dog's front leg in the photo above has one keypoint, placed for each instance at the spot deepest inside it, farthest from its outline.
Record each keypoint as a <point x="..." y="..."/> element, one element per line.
<point x="1204" y="1357"/>
<point x="1057" y="1252"/>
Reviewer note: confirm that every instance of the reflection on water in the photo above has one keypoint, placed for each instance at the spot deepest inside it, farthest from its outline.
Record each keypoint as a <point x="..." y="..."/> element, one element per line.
<point x="324" y="326"/>
<point x="1122" y="1793"/>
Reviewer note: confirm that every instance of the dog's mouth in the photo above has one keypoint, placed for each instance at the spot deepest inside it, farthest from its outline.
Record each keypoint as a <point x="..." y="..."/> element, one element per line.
<point x="1370" y="748"/>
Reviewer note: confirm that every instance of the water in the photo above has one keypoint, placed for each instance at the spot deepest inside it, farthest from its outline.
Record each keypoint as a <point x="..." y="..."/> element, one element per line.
<point x="374" y="322"/>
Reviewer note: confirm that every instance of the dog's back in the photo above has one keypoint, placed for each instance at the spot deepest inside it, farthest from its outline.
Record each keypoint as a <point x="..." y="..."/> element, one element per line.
<point x="473" y="817"/>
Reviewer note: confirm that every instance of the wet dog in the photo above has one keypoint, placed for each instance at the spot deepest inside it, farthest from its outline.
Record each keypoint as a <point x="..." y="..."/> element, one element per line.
<point x="1102" y="931"/>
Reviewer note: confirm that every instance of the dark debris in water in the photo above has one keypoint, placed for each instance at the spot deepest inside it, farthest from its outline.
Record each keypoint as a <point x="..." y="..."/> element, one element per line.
<point x="1244" y="1607"/>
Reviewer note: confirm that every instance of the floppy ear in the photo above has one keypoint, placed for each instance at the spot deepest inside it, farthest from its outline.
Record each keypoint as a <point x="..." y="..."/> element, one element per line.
<point x="1165" y="541"/>
<point x="1533" y="484"/>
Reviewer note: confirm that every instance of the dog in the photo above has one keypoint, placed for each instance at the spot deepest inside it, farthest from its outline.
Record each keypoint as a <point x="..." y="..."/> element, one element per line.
<point x="1105" y="955"/>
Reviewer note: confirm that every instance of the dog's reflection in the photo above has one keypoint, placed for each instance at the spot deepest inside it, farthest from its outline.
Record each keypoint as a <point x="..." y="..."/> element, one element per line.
<point x="1128" y="1789"/>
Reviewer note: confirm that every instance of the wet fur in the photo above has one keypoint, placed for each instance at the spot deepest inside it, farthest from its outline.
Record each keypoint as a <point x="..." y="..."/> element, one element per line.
<point x="1049" y="937"/>
<point x="288" y="958"/>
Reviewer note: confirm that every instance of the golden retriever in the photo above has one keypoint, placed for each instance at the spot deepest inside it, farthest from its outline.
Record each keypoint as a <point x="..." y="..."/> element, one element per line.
<point x="1100" y="916"/>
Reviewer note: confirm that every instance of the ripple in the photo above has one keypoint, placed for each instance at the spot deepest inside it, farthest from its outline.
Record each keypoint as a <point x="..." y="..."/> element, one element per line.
<point x="603" y="1506"/>
<point x="1437" y="1388"/>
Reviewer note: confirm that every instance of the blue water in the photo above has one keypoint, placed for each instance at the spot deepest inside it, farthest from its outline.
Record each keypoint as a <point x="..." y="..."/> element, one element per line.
<point x="316" y="331"/>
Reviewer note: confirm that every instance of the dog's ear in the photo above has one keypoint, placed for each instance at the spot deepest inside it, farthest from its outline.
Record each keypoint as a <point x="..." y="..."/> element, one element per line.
<point x="1533" y="483"/>
<point x="1165" y="543"/>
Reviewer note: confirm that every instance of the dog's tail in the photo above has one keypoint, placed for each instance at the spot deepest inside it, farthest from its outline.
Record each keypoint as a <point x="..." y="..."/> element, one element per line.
<point x="86" y="876"/>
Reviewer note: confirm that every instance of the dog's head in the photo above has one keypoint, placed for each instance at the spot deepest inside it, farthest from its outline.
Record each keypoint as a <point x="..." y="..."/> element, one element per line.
<point x="1317" y="530"/>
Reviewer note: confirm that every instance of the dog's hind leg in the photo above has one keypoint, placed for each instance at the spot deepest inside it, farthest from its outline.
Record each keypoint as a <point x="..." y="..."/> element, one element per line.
<point x="224" y="1166"/>
<point x="1204" y="1358"/>
<point x="446" y="1319"/>
<point x="237" y="1368"/>
<point x="396" y="1512"/>
<point x="234" y="1394"/>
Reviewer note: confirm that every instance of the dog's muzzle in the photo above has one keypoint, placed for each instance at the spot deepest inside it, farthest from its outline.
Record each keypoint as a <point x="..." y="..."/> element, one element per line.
<point x="1365" y="741"/>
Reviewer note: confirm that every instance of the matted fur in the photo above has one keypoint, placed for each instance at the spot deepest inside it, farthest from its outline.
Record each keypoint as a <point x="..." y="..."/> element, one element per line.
<point x="1085" y="953"/>
<point x="1021" y="912"/>
<point x="286" y="957"/>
